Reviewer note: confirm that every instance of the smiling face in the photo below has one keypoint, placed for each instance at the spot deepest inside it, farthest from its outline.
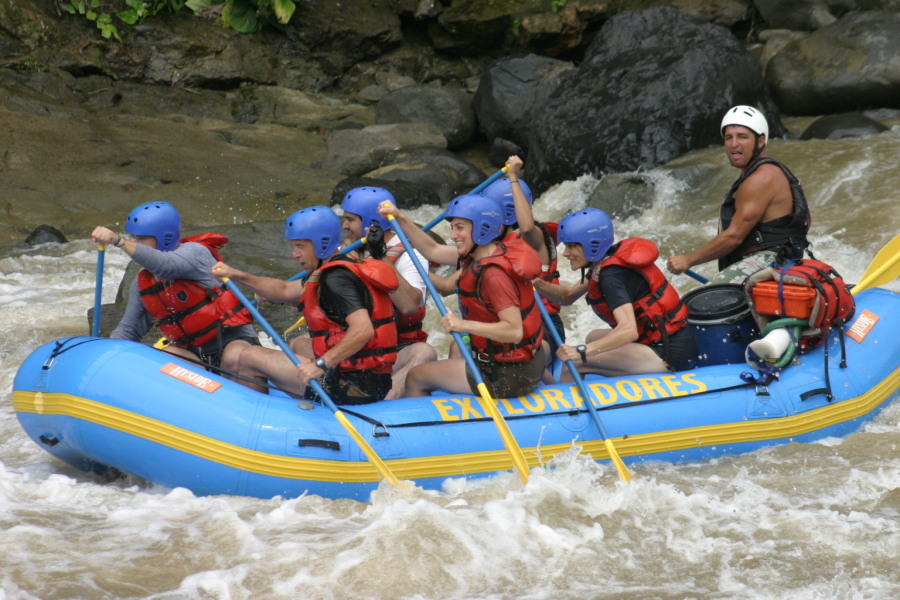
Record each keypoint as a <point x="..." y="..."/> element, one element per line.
<point x="740" y="143"/>
<point x="352" y="226"/>
<point x="461" y="235"/>
<point x="575" y="254"/>
<point x="304" y="252"/>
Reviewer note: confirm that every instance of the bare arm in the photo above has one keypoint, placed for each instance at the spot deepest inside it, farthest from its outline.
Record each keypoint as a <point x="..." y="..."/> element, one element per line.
<point x="424" y="243"/>
<point x="752" y="200"/>
<point x="507" y="330"/>
<point x="410" y="294"/>
<point x="270" y="288"/>
<point x="528" y="231"/>
<point x="359" y="331"/>
<point x="624" y="332"/>
<point x="107" y="237"/>
<point x="560" y="294"/>
<point x="445" y="285"/>
<point x="406" y="298"/>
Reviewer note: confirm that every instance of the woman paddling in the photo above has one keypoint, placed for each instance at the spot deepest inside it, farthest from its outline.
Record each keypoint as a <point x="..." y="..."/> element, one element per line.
<point x="629" y="292"/>
<point x="495" y="297"/>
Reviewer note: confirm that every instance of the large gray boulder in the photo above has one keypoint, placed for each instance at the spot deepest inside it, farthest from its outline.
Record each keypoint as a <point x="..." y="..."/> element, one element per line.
<point x="850" y="65"/>
<point x="801" y="14"/>
<point x="448" y="109"/>
<point x="356" y="151"/>
<point x="631" y="105"/>
<point x="512" y="92"/>
<point x="835" y="127"/>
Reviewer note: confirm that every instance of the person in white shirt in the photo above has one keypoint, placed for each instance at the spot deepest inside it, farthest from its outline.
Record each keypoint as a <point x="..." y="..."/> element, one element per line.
<point x="361" y="218"/>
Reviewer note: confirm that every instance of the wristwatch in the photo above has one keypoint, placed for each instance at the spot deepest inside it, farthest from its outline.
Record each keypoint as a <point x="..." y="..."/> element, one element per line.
<point x="582" y="350"/>
<point x="320" y="362"/>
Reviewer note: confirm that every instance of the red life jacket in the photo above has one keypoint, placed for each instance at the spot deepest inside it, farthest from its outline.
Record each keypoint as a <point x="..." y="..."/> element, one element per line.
<point x="380" y="352"/>
<point x="661" y="309"/>
<point x="522" y="264"/>
<point x="409" y="327"/>
<point x="832" y="307"/>
<point x="550" y="274"/>
<point x="187" y="313"/>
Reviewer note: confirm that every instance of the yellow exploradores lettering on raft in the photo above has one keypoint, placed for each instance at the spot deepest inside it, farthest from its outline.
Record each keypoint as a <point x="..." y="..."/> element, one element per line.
<point x="555" y="399"/>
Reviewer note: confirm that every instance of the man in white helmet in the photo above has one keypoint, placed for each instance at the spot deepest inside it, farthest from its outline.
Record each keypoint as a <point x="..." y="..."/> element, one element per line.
<point x="765" y="216"/>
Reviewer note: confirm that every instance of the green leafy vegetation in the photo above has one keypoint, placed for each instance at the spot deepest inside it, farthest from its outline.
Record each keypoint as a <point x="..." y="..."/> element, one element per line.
<point x="246" y="16"/>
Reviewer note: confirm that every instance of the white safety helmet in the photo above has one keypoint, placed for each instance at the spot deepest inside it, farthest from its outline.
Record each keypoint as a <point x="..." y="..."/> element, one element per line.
<point x="748" y="117"/>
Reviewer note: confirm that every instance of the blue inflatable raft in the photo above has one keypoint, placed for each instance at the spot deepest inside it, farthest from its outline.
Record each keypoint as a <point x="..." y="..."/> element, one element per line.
<point x="98" y="403"/>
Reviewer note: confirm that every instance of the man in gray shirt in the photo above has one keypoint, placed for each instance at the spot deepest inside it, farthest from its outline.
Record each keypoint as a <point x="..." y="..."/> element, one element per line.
<point x="176" y="290"/>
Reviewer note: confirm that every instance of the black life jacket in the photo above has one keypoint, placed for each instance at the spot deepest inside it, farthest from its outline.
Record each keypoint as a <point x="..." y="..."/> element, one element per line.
<point x="785" y="234"/>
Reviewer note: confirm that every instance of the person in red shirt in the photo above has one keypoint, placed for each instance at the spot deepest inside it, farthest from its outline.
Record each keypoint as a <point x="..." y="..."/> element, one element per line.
<point x="496" y="298"/>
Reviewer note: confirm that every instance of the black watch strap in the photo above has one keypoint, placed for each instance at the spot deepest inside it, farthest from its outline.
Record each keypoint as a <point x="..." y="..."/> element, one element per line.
<point x="320" y="362"/>
<point x="582" y="350"/>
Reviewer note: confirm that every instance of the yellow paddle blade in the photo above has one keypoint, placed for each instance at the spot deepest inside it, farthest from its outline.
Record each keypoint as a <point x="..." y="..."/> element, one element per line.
<point x="300" y="323"/>
<point x="367" y="449"/>
<point x="885" y="267"/>
<point x="624" y="473"/>
<point x="161" y="343"/>
<point x="518" y="457"/>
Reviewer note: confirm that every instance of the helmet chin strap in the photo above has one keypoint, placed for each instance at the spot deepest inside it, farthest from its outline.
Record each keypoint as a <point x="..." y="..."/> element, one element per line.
<point x="757" y="150"/>
<point x="585" y="268"/>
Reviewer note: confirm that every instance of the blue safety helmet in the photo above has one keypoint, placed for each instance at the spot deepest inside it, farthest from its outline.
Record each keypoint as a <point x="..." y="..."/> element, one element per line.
<point x="501" y="191"/>
<point x="364" y="201"/>
<point x="319" y="224"/>
<point x="485" y="213"/>
<point x="591" y="228"/>
<point x="157" y="219"/>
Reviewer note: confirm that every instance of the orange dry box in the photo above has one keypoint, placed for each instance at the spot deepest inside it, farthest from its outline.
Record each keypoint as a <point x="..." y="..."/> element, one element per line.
<point x="798" y="300"/>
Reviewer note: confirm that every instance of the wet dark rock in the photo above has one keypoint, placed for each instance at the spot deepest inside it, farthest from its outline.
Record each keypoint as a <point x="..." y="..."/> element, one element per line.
<point x="466" y="174"/>
<point x="440" y="178"/>
<point x="623" y="195"/>
<point x="628" y="107"/>
<point x="340" y="35"/>
<point x="802" y="14"/>
<point x="448" y="109"/>
<point x="512" y="93"/>
<point x="853" y="63"/>
<point x="357" y="151"/>
<point x="835" y="127"/>
<point x="502" y="149"/>
<point x="45" y="234"/>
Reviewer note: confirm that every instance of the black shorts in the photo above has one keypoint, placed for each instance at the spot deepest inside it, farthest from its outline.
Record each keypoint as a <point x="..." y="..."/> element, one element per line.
<point x="560" y="328"/>
<point x="353" y="387"/>
<point x="508" y="379"/>
<point x="210" y="353"/>
<point x="682" y="351"/>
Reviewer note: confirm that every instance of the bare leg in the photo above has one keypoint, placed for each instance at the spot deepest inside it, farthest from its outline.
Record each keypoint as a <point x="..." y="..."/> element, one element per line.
<point x="408" y="357"/>
<point x="182" y="352"/>
<point x="260" y="362"/>
<point x="448" y="375"/>
<point x="628" y="359"/>
<point x="302" y="346"/>
<point x="231" y="362"/>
